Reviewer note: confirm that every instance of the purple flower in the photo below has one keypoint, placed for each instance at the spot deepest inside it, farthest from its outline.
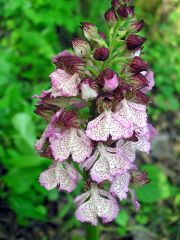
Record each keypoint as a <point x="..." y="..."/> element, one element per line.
<point x="97" y="118"/>
<point x="109" y="124"/>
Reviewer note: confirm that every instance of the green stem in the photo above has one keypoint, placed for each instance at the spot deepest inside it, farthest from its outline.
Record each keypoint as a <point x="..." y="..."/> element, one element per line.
<point x="92" y="232"/>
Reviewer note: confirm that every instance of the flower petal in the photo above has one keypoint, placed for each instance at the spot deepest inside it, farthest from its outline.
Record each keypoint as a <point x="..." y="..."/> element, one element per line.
<point x="98" y="129"/>
<point x="73" y="141"/>
<point x="119" y="186"/>
<point x="107" y="206"/>
<point x="81" y="146"/>
<point x="49" y="178"/>
<point x="60" y="146"/>
<point x="64" y="84"/>
<point x="58" y="175"/>
<point x="135" y="113"/>
<point x="100" y="171"/>
<point x="87" y="213"/>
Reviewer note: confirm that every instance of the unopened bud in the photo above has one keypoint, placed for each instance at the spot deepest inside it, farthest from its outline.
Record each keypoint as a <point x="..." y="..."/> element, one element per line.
<point x="81" y="47"/>
<point x="137" y="65"/>
<point x="137" y="26"/>
<point x="125" y="11"/>
<point x="115" y="3"/>
<point x="134" y="42"/>
<point x="138" y="178"/>
<point x="110" y="16"/>
<point x="101" y="54"/>
<point x="138" y="81"/>
<point x="90" y="30"/>
<point x="102" y="35"/>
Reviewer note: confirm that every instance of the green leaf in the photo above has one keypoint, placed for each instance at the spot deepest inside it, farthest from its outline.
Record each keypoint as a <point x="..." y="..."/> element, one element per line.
<point x="21" y="179"/>
<point x="23" y="123"/>
<point x="122" y="218"/>
<point x="25" y="208"/>
<point x="159" y="187"/>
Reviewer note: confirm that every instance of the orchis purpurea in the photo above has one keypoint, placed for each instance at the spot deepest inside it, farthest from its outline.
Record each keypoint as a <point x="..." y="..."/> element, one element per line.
<point x="96" y="110"/>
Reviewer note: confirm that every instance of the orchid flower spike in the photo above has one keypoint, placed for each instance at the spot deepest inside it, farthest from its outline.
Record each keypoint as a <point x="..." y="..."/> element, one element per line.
<point x="97" y="116"/>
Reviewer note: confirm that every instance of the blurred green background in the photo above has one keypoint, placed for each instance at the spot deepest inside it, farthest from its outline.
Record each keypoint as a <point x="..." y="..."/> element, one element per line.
<point x="31" y="32"/>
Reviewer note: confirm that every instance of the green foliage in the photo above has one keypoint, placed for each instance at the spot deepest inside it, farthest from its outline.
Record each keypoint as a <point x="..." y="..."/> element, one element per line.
<point x="159" y="187"/>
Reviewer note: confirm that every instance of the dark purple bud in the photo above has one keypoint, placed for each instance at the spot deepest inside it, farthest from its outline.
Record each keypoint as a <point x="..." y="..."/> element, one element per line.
<point x="102" y="35"/>
<point x="110" y="16"/>
<point x="137" y="65"/>
<point x="137" y="26"/>
<point x="138" y="81"/>
<point x="115" y="3"/>
<point x="125" y="11"/>
<point x="101" y="54"/>
<point x="138" y="178"/>
<point x="134" y="42"/>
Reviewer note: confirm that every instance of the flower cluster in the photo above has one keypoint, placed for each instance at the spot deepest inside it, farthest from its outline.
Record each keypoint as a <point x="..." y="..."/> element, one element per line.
<point x="96" y="111"/>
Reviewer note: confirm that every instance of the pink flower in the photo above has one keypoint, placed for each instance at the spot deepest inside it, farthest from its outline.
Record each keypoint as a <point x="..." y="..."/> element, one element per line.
<point x="106" y="163"/>
<point x="129" y="147"/>
<point x="72" y="142"/>
<point x="134" y="113"/>
<point x="108" y="80"/>
<point x="109" y="124"/>
<point x="66" y="138"/>
<point x="150" y="79"/>
<point x="60" y="175"/>
<point x="64" y="84"/>
<point x="96" y="203"/>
